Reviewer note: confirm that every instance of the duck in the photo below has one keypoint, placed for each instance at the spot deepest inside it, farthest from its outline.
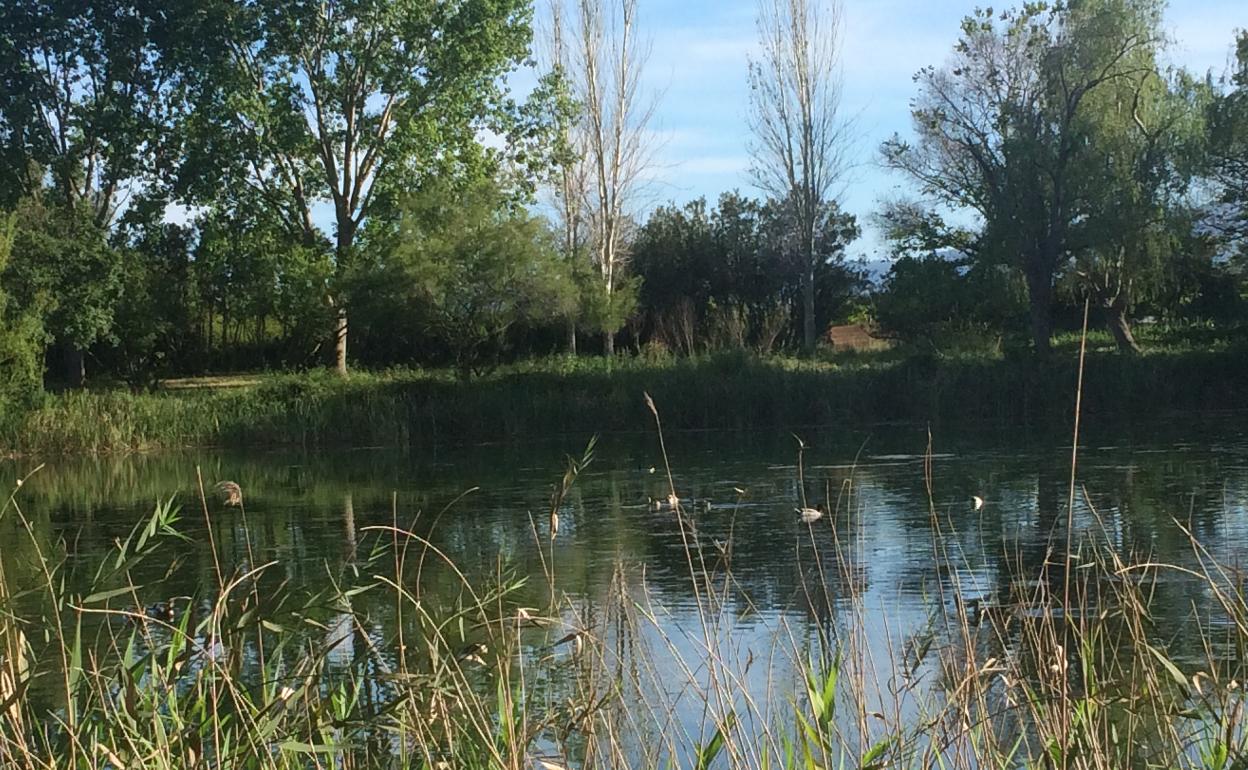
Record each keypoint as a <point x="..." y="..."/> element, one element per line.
<point x="810" y="515"/>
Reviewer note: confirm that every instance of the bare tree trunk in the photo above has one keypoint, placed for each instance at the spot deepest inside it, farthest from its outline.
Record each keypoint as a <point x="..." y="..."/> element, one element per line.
<point x="617" y="146"/>
<point x="340" y="341"/>
<point x="800" y="137"/>
<point x="808" y="309"/>
<point x="1120" y="328"/>
<point x="571" y="337"/>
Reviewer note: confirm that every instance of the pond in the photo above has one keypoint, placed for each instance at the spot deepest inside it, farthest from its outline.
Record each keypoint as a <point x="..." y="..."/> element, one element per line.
<point x="732" y="586"/>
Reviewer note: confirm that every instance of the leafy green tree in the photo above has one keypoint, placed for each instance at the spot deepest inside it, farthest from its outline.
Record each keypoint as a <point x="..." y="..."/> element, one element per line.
<point x="1228" y="152"/>
<point x="62" y="264"/>
<point x="153" y="322"/>
<point x="350" y="102"/>
<point x="738" y="268"/>
<point x="476" y="266"/>
<point x="258" y="288"/>
<point x="1144" y="135"/>
<point x="85" y="103"/>
<point x="837" y="283"/>
<point x="21" y="349"/>
<point x="84" y="114"/>
<point x="1005" y="128"/>
<point x="940" y="289"/>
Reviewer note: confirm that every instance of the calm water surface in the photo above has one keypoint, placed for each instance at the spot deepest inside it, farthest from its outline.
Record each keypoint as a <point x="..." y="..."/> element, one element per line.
<point x="312" y="515"/>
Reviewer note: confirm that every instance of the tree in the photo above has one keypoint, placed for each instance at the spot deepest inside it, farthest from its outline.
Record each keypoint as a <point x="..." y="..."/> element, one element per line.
<point x="476" y="266"/>
<point x="1228" y="151"/>
<point x="352" y="102"/>
<point x="253" y="282"/>
<point x="86" y="99"/>
<point x="800" y="136"/>
<point x="604" y="72"/>
<point x="1145" y="135"/>
<point x="941" y="286"/>
<point x="569" y="183"/>
<point x="1003" y="129"/>
<point x="21" y="351"/>
<point x="735" y="272"/>
<point x="62" y="264"/>
<point x="152" y="320"/>
<point x="85" y="107"/>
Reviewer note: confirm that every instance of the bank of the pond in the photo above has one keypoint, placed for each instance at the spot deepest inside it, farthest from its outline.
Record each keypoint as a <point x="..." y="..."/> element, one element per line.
<point x="566" y="396"/>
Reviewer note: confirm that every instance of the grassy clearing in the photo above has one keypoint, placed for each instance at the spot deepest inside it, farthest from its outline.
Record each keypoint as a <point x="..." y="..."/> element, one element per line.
<point x="1063" y="667"/>
<point x="562" y="395"/>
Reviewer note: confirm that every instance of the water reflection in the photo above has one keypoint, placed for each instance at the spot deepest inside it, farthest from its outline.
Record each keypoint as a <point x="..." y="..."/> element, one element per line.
<point x="888" y="550"/>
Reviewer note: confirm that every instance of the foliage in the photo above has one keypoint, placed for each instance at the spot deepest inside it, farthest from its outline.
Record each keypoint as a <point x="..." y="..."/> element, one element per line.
<point x="62" y="265"/>
<point x="350" y="103"/>
<point x="1011" y="127"/>
<point x="254" y="282"/>
<point x="21" y="350"/>
<point x="87" y="100"/>
<point x="1184" y="368"/>
<point x="737" y="265"/>
<point x="475" y="268"/>
<point x="1228" y="153"/>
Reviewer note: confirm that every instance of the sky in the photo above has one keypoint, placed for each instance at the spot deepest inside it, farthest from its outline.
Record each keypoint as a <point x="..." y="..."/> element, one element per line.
<point x="697" y="68"/>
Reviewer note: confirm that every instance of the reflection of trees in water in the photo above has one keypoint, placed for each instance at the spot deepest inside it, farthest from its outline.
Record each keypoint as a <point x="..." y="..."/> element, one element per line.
<point x="876" y="545"/>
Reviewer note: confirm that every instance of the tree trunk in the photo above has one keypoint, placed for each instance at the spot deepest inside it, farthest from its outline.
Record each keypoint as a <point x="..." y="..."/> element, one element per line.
<point x="75" y="367"/>
<point x="1040" y="305"/>
<point x="340" y="341"/>
<point x="808" y="309"/>
<point x="1118" y="325"/>
<point x="571" y="337"/>
<point x="608" y="343"/>
<point x="342" y="253"/>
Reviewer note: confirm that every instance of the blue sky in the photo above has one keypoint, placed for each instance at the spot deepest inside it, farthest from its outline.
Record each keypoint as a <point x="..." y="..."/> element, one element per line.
<point x="698" y="68"/>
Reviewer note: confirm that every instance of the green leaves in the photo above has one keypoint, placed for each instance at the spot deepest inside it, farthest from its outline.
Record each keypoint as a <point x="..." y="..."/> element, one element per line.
<point x="475" y="266"/>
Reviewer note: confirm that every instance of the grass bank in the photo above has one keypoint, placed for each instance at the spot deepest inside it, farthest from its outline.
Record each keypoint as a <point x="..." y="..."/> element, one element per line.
<point x="560" y="395"/>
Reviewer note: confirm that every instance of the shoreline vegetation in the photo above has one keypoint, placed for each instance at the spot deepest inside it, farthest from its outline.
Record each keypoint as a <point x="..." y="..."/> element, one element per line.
<point x="1060" y="665"/>
<point x="564" y="395"/>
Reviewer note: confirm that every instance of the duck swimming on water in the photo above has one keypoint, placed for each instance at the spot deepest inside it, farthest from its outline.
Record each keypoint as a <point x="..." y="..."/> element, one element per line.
<point x="810" y="515"/>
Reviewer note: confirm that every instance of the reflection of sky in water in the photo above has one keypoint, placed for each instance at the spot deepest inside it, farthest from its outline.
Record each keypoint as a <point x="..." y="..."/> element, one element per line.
<point x="865" y="574"/>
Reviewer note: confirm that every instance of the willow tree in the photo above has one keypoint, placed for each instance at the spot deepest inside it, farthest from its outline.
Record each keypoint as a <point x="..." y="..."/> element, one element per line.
<point x="1144" y="134"/>
<point x="1228" y="148"/>
<point x="800" y="135"/>
<point x="345" y="102"/>
<point x="1005" y="129"/>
